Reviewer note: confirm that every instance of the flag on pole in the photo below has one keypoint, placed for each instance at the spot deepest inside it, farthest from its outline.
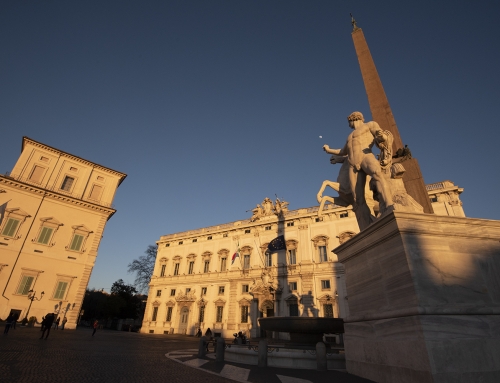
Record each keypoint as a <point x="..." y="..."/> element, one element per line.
<point x="237" y="254"/>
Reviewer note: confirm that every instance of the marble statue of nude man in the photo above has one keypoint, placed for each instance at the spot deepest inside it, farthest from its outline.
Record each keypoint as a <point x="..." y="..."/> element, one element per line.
<point x="362" y="162"/>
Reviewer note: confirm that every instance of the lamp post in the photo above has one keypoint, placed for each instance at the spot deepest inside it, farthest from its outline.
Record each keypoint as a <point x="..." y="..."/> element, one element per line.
<point x="32" y="297"/>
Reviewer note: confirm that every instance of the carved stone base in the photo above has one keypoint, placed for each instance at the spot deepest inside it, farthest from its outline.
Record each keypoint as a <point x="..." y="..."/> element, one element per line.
<point x="424" y="299"/>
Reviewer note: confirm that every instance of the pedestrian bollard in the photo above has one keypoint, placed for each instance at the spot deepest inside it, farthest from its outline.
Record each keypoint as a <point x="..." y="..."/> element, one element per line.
<point x="202" y="347"/>
<point x="219" y="353"/>
<point x="262" y="353"/>
<point x="321" y="356"/>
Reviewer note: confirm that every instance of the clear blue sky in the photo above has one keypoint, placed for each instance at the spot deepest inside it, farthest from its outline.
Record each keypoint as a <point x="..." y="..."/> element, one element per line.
<point x="210" y="106"/>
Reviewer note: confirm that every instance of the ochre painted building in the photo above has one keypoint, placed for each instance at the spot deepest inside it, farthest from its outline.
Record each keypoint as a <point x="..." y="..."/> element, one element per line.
<point x="195" y="285"/>
<point x="53" y="210"/>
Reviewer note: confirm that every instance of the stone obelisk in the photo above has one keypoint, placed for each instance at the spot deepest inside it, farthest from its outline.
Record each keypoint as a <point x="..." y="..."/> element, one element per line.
<point x="382" y="114"/>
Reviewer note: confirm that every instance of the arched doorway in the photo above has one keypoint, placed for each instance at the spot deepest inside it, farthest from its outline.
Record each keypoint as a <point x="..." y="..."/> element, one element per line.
<point x="183" y="320"/>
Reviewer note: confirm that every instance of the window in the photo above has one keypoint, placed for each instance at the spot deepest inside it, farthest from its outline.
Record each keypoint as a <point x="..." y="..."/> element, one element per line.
<point x="162" y="272"/>
<point x="195" y="240"/>
<point x="292" y="258"/>
<point x="206" y="266"/>
<point x="188" y="289"/>
<point x="344" y="215"/>
<point x="267" y="228"/>
<point x="269" y="259"/>
<point x="191" y="267"/>
<point x="172" y="292"/>
<point x="176" y="269"/>
<point x="60" y="290"/>
<point x="322" y="254"/>
<point x="155" y="313"/>
<point x="99" y="178"/>
<point x="76" y="242"/>
<point x="158" y="293"/>
<point x="219" y="314"/>
<point x="247" y="231"/>
<point x="203" y="291"/>
<point x="319" y="219"/>
<point x="294" y="309"/>
<point x="181" y="242"/>
<point x="169" y="314"/>
<point x="244" y="288"/>
<point x="328" y="310"/>
<point x="67" y="183"/>
<point x="209" y="237"/>
<point x="292" y="286"/>
<point x="325" y="284"/>
<point x="224" y="235"/>
<point x="167" y="245"/>
<point x="25" y="285"/>
<point x="37" y="174"/>
<point x="223" y="264"/>
<point x="221" y="290"/>
<point x="289" y="224"/>
<point x="96" y="192"/>
<point x="244" y="314"/>
<point x="45" y="235"/>
<point x="434" y="198"/>
<point x="44" y="159"/>
<point x="246" y="261"/>
<point x="10" y="228"/>
<point x="201" y="317"/>
<point x="73" y="169"/>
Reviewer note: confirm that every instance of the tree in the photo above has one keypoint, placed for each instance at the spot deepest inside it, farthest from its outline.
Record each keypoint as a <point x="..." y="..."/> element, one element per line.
<point x="143" y="268"/>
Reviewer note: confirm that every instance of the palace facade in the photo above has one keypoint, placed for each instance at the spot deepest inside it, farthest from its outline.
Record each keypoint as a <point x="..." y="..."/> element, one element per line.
<point x="53" y="210"/>
<point x="225" y="277"/>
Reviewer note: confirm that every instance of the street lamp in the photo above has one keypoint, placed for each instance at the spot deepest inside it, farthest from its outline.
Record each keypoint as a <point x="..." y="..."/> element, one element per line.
<point x="32" y="297"/>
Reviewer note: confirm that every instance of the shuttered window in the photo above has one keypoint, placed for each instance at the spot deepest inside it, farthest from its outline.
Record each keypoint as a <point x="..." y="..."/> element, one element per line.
<point x="60" y="290"/>
<point x="25" y="285"/>
<point x="10" y="227"/>
<point x="45" y="235"/>
<point x="76" y="242"/>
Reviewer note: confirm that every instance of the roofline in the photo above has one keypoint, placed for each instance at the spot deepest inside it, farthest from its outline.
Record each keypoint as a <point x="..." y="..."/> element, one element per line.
<point x="27" y="139"/>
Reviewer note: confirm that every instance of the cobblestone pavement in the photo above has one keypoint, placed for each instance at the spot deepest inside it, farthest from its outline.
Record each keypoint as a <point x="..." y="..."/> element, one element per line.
<point x="117" y="356"/>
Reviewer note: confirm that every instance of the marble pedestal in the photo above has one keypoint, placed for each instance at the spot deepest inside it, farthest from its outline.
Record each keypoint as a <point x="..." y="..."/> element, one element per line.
<point x="424" y="299"/>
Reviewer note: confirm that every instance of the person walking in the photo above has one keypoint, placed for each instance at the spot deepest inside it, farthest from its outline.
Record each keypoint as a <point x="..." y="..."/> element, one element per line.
<point x="56" y="323"/>
<point x="49" y="320"/>
<point x="14" y="320"/>
<point x="64" y="323"/>
<point x="95" y="325"/>
<point x="8" y="323"/>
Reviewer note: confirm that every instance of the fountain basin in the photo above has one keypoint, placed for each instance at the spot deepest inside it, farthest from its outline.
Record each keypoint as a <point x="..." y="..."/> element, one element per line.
<point x="303" y="329"/>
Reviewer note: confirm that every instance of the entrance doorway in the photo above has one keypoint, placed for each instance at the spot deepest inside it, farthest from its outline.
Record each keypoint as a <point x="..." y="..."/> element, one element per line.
<point x="184" y="320"/>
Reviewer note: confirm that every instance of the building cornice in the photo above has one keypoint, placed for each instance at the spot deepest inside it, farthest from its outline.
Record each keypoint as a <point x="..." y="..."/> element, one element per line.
<point x="8" y="181"/>
<point x="27" y="140"/>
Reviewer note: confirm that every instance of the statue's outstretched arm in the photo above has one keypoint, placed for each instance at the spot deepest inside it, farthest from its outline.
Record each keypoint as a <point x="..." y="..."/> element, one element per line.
<point x="341" y="152"/>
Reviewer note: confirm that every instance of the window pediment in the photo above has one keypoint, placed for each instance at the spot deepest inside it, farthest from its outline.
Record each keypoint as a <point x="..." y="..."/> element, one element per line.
<point x="326" y="298"/>
<point x="51" y="221"/>
<point x="16" y="212"/>
<point x="170" y="303"/>
<point x="191" y="257"/>
<point x="292" y="298"/>
<point x="220" y="302"/>
<point x="164" y="260"/>
<point x="291" y="244"/>
<point x="223" y="253"/>
<point x="246" y="250"/>
<point x="244" y="302"/>
<point x="206" y="255"/>
<point x="177" y="258"/>
<point x="82" y="228"/>
<point x="320" y="240"/>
